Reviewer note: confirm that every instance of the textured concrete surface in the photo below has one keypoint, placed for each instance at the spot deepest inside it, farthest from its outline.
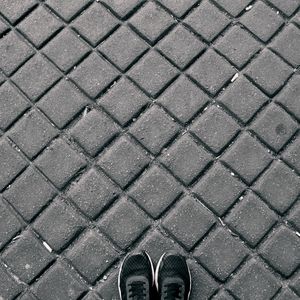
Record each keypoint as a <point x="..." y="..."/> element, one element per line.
<point x="133" y="124"/>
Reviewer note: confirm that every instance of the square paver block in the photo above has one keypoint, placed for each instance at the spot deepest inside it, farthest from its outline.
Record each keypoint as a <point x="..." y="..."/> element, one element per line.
<point x="59" y="162"/>
<point x="256" y="280"/>
<point x="124" y="101"/>
<point x="123" y="8"/>
<point x="189" y="221"/>
<point x="155" y="190"/>
<point x="92" y="254"/>
<point x="59" y="283"/>
<point x="151" y="21"/>
<point x="215" y="120"/>
<point x="221" y="253"/>
<point x="186" y="158"/>
<point x="211" y="71"/>
<point x="292" y="154"/>
<point x="183" y="99"/>
<point x="11" y="163"/>
<point x="154" y="129"/>
<point x="93" y="192"/>
<point x="58" y="215"/>
<point x="29" y="193"/>
<point x="124" y="160"/>
<point x="275" y="127"/>
<point x="247" y="157"/>
<point x="27" y="257"/>
<point x="94" y="131"/>
<point x="251" y="218"/>
<point x="279" y="186"/>
<point x="134" y="223"/>
<point x="281" y="250"/>
<point x="153" y="72"/>
<point x="234" y="7"/>
<point x="287" y="7"/>
<point x="219" y="189"/>
<point x="178" y="8"/>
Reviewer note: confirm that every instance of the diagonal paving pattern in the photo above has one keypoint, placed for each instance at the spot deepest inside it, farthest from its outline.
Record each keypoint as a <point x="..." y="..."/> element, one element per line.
<point x="156" y="125"/>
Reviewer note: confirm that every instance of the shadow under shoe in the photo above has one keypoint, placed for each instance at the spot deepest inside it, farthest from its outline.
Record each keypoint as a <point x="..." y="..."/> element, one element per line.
<point x="172" y="277"/>
<point x="136" y="277"/>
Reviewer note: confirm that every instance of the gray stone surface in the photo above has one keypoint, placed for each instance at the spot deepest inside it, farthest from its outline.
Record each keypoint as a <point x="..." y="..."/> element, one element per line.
<point x="156" y="125"/>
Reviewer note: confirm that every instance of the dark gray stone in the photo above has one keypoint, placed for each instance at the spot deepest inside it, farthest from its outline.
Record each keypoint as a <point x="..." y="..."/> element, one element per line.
<point x="287" y="7"/>
<point x="292" y="154"/>
<point x="294" y="216"/>
<point x="178" y="8"/>
<point x="234" y="7"/>
<point x="123" y="8"/>
<point x="286" y="293"/>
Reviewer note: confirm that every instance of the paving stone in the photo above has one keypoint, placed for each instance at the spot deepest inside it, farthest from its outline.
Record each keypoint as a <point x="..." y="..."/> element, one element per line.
<point x="3" y="27"/>
<point x="59" y="162"/>
<point x="243" y="99"/>
<point x="287" y="44"/>
<point x="275" y="127"/>
<point x="134" y="221"/>
<point x="123" y="161"/>
<point x="27" y="296"/>
<point x="178" y="8"/>
<point x="123" y="47"/>
<point x="155" y="190"/>
<point x="269" y="71"/>
<point x="35" y="77"/>
<point x="32" y="133"/>
<point x="11" y="163"/>
<point x="91" y="255"/>
<point x="286" y="294"/>
<point x="14" y="52"/>
<point x="13" y="10"/>
<point x="254" y="281"/>
<point x="296" y="284"/>
<point x="151" y="21"/>
<point x="251" y="218"/>
<point x="93" y="75"/>
<point x="94" y="131"/>
<point x="9" y="224"/>
<point x="154" y="129"/>
<point x="287" y="7"/>
<point x="29" y="193"/>
<point x="186" y="159"/>
<point x="123" y="8"/>
<point x="262" y="20"/>
<point x="189" y="221"/>
<point x="95" y="23"/>
<point x="59" y="282"/>
<point x="93" y="192"/>
<point x="9" y="287"/>
<point x="216" y="121"/>
<point x="67" y="9"/>
<point x="279" y="186"/>
<point x="91" y="296"/>
<point x="289" y="95"/>
<point x="12" y="105"/>
<point x="247" y="157"/>
<point x="238" y="46"/>
<point x="65" y="42"/>
<point x="62" y="103"/>
<point x="221" y="253"/>
<point x="183" y="99"/>
<point x="181" y="46"/>
<point x="58" y="215"/>
<point x="281" y="250"/>
<point x="211" y="71"/>
<point x="27" y="257"/>
<point x="294" y="216"/>
<point x="153" y="72"/>
<point x="232" y="6"/>
<point x="124" y="101"/>
<point x="219" y="189"/>
<point x="296" y="19"/>
<point x="223" y="295"/>
<point x="207" y="20"/>
<point x="40" y="26"/>
<point x="108" y="289"/>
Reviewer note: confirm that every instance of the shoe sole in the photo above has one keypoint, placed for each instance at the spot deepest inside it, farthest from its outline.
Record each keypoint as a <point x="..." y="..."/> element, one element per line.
<point x="156" y="275"/>
<point x="119" y="276"/>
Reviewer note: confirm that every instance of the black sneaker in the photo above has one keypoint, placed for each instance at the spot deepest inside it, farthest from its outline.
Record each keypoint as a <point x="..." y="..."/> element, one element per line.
<point x="136" y="277"/>
<point x="172" y="277"/>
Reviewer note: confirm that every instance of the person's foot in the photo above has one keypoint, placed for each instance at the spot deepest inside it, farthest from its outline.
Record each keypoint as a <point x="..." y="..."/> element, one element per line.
<point x="172" y="277"/>
<point x="136" y="277"/>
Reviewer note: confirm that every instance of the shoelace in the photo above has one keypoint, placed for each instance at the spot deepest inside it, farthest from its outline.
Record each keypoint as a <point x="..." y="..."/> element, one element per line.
<point x="137" y="291"/>
<point x="173" y="291"/>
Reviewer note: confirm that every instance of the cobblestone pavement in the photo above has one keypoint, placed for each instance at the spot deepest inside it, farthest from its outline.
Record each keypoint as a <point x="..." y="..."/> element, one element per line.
<point x="154" y="125"/>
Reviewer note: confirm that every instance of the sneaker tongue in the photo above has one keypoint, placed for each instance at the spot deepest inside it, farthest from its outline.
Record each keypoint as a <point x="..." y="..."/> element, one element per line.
<point x="138" y="280"/>
<point x="173" y="281"/>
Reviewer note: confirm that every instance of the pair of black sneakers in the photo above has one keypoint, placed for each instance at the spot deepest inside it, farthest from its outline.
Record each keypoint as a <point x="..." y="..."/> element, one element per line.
<point x="170" y="281"/>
